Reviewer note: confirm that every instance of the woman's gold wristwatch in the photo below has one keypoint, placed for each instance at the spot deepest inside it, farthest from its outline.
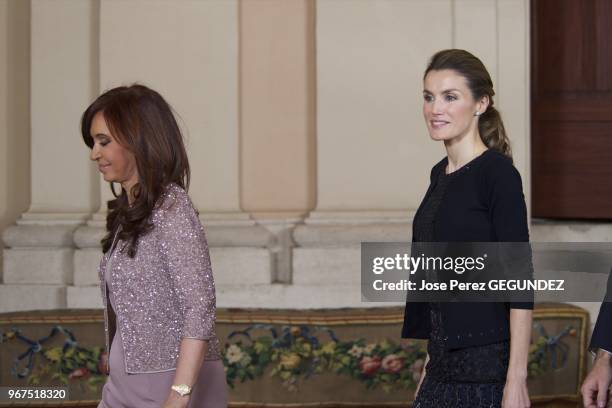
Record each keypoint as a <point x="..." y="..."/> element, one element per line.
<point x="182" y="389"/>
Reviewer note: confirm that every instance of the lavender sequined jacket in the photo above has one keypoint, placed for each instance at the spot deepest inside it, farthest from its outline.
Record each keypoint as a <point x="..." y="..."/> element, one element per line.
<point x="166" y="292"/>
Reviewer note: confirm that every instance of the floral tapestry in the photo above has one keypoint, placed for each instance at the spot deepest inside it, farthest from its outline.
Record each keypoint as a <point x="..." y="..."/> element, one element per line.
<point x="286" y="357"/>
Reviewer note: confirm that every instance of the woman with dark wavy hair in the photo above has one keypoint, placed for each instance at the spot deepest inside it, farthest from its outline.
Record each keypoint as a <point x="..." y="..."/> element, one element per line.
<point x="155" y="274"/>
<point x="477" y="352"/>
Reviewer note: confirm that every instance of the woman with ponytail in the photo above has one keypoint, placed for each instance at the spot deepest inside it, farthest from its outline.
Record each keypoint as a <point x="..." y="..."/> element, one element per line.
<point x="477" y="352"/>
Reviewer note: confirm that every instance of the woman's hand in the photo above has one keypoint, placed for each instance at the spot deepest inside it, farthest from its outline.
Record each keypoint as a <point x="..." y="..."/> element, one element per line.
<point x="176" y="401"/>
<point x="516" y="394"/>
<point x="595" y="387"/>
<point x="191" y="357"/>
<point x="515" y="391"/>
<point x="422" y="376"/>
<point x="416" y="392"/>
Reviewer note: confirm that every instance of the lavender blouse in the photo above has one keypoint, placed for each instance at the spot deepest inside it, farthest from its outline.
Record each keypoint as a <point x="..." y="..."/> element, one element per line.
<point x="166" y="292"/>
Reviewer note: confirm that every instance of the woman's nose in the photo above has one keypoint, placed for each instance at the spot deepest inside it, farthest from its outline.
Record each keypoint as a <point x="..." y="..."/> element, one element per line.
<point x="437" y="106"/>
<point x="95" y="153"/>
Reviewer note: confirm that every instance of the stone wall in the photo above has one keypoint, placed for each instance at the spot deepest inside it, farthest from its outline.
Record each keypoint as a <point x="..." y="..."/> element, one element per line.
<point x="302" y="120"/>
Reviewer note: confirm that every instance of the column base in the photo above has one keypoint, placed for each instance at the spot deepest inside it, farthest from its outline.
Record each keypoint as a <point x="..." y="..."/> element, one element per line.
<point x="38" y="253"/>
<point x="18" y="298"/>
<point x="46" y="219"/>
<point x="359" y="217"/>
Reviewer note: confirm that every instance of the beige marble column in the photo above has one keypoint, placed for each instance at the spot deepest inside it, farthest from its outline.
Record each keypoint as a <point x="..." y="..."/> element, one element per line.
<point x="64" y="187"/>
<point x="502" y="43"/>
<point x="513" y="97"/>
<point x="62" y="82"/>
<point x="372" y="147"/>
<point x="187" y="51"/>
<point x="14" y="119"/>
<point x="482" y="42"/>
<point x="14" y="110"/>
<point x="277" y="118"/>
<point x="277" y="114"/>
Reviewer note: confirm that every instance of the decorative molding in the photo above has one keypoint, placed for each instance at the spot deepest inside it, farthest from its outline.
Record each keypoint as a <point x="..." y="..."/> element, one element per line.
<point x="360" y="217"/>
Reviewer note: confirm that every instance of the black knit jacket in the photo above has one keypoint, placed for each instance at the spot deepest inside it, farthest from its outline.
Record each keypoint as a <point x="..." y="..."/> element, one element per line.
<point x="483" y="203"/>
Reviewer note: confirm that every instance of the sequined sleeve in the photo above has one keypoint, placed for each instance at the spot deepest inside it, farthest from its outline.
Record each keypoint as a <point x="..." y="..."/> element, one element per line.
<point x="185" y="249"/>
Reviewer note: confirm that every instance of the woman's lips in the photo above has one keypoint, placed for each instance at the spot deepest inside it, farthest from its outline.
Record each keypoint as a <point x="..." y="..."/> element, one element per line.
<point x="437" y="124"/>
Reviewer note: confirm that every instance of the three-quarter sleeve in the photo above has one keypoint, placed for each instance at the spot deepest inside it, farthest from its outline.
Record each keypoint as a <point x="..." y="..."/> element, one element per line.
<point x="508" y="209"/>
<point x="509" y="219"/>
<point x="185" y="249"/>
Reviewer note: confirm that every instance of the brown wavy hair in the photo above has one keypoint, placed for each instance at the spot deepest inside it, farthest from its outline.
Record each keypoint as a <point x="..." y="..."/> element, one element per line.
<point x="142" y="122"/>
<point x="490" y="124"/>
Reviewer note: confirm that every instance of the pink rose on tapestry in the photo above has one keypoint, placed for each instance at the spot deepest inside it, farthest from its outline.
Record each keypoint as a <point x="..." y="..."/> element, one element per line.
<point x="369" y="365"/>
<point x="392" y="363"/>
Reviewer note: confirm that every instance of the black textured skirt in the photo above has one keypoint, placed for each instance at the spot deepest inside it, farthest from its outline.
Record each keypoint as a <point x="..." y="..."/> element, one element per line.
<point x="472" y="377"/>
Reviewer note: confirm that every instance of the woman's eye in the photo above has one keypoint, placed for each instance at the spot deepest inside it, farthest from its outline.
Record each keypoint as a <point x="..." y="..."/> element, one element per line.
<point x="428" y="98"/>
<point x="451" y="98"/>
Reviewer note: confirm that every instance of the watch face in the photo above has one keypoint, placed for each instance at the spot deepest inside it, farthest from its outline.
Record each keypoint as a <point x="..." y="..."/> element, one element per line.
<point x="182" y="389"/>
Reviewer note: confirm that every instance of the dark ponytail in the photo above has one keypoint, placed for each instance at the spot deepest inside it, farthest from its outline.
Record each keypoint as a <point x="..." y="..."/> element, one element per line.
<point x="490" y="124"/>
<point x="492" y="131"/>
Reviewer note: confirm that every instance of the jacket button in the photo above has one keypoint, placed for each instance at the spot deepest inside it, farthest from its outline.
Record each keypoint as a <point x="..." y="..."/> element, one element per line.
<point x="458" y="336"/>
<point x="481" y="333"/>
<point x="470" y="334"/>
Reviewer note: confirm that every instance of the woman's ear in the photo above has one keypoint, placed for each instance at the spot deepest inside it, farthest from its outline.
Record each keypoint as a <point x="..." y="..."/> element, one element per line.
<point x="482" y="104"/>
